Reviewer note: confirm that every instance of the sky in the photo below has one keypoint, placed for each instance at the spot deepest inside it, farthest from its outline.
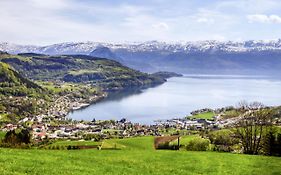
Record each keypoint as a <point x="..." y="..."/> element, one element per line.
<point x="43" y="22"/>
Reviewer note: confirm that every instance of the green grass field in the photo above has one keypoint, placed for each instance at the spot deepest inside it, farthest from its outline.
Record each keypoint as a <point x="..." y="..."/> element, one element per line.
<point x="206" y="115"/>
<point x="76" y="143"/>
<point x="137" y="156"/>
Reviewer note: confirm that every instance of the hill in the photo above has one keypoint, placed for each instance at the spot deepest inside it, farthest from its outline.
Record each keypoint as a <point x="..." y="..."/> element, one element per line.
<point x="12" y="83"/>
<point x="19" y="97"/>
<point x="102" y="72"/>
<point x="136" y="157"/>
<point x="65" y="82"/>
<point x="167" y="74"/>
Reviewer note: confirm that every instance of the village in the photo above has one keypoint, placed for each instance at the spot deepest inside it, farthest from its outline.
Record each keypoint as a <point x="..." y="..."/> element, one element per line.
<point x="60" y="127"/>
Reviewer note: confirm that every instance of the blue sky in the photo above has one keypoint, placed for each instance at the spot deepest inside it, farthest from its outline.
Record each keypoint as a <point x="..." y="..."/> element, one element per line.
<point x="44" y="22"/>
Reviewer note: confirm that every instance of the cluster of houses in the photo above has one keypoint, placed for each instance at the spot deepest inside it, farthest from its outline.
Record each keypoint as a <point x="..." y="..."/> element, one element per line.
<point x="43" y="128"/>
<point x="67" y="129"/>
<point x="78" y="130"/>
<point x="105" y="129"/>
<point x="187" y="124"/>
<point x="109" y="128"/>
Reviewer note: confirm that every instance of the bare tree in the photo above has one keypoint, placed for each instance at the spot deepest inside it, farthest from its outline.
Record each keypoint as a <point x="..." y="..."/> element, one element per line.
<point x="253" y="125"/>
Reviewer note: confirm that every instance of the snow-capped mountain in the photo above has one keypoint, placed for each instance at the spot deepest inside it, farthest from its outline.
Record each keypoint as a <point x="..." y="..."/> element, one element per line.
<point x="185" y="57"/>
<point x="103" y="52"/>
<point x="187" y="47"/>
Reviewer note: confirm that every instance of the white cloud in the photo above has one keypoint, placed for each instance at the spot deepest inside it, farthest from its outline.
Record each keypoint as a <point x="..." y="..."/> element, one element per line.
<point x="52" y="21"/>
<point x="161" y="25"/>
<point x="50" y="4"/>
<point x="208" y="16"/>
<point x="264" y="18"/>
<point x="249" y="6"/>
<point x="275" y="18"/>
<point x="205" y="20"/>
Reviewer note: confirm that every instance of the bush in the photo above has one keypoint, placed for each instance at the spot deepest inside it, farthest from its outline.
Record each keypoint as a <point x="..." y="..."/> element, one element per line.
<point x="223" y="137"/>
<point x="223" y="140"/>
<point x="69" y="147"/>
<point x="237" y="148"/>
<point x="94" y="137"/>
<point x="198" y="144"/>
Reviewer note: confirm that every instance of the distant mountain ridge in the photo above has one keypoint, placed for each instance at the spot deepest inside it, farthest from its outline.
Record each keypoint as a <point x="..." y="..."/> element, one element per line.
<point x="104" y="52"/>
<point x="187" y="47"/>
<point x="209" y="56"/>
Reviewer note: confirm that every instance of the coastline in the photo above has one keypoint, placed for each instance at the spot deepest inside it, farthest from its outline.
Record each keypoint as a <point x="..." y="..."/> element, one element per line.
<point x="92" y="100"/>
<point x="110" y="93"/>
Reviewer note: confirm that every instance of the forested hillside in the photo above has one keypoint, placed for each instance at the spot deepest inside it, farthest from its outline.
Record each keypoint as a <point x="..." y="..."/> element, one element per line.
<point x="12" y="83"/>
<point x="102" y="72"/>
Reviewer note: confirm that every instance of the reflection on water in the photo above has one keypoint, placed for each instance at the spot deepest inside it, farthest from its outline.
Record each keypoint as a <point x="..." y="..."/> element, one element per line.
<point x="119" y="95"/>
<point x="180" y="95"/>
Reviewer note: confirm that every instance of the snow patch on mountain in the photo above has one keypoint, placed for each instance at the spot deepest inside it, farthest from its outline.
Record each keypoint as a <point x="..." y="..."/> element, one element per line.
<point x="149" y="46"/>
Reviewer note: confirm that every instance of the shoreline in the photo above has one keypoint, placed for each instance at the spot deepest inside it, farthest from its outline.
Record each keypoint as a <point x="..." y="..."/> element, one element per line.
<point x="81" y="105"/>
<point x="106" y="93"/>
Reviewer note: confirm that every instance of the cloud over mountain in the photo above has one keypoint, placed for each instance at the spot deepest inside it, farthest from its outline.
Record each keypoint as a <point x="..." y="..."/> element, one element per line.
<point x="264" y="18"/>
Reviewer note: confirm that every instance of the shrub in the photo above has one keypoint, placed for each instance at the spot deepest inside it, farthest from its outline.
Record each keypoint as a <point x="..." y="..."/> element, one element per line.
<point x="223" y="140"/>
<point x="69" y="147"/>
<point x="223" y="137"/>
<point x="94" y="137"/>
<point x="198" y="144"/>
<point x="62" y="147"/>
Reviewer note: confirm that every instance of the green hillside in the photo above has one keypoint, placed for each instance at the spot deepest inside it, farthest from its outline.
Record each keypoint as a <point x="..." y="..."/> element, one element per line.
<point x="19" y="97"/>
<point x="12" y="83"/>
<point x="71" y="78"/>
<point x="80" y="68"/>
<point x="137" y="156"/>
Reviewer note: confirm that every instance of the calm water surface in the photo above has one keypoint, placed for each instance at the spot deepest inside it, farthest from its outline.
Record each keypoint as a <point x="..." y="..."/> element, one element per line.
<point x="181" y="95"/>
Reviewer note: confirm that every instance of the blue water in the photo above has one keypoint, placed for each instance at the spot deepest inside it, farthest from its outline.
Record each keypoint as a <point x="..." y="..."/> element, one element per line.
<point x="181" y="95"/>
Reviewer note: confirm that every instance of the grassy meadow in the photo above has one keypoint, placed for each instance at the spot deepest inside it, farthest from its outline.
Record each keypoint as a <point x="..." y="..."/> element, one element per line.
<point x="136" y="156"/>
<point x="205" y="115"/>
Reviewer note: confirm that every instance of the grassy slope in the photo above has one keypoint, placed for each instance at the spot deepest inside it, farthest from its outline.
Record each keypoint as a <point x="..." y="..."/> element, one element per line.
<point x="76" y="143"/>
<point x="137" y="157"/>
<point x="206" y="115"/>
<point x="186" y="139"/>
<point x="12" y="83"/>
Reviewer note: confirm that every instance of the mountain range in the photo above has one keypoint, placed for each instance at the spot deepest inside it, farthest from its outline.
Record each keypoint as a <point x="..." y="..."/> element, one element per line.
<point x="210" y="56"/>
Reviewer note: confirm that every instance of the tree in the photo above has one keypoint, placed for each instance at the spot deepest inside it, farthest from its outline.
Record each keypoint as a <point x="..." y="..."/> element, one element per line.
<point x="252" y="126"/>
<point x="269" y="143"/>
<point x="17" y="137"/>
<point x="272" y="143"/>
